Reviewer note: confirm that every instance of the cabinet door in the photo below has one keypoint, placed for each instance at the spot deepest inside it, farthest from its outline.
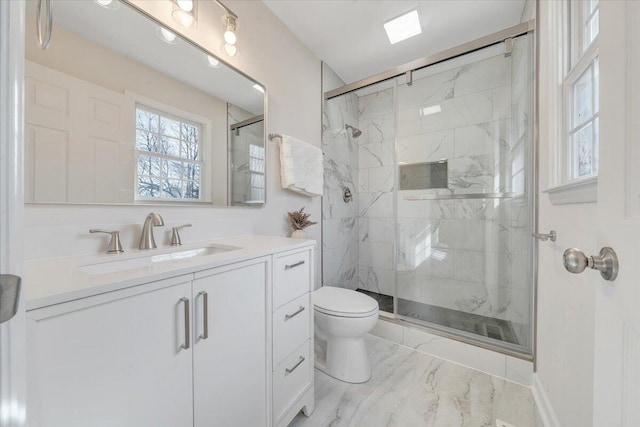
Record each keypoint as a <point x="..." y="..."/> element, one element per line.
<point x="115" y="359"/>
<point x="230" y="365"/>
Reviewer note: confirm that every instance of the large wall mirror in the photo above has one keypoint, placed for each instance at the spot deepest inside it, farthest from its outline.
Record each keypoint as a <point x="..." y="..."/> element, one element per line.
<point x="119" y="110"/>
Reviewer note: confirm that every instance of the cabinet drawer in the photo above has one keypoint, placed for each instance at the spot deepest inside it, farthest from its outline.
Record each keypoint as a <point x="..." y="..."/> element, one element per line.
<point x="291" y="277"/>
<point x="290" y="327"/>
<point x="291" y="379"/>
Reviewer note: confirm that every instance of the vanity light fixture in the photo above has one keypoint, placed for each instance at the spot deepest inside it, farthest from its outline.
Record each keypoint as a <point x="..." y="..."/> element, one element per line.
<point x="230" y="26"/>
<point x="108" y="4"/>
<point x="166" y="35"/>
<point x="230" y="49"/>
<point x="185" y="13"/>
<point x="403" y="27"/>
<point x="230" y="37"/>
<point x="258" y="88"/>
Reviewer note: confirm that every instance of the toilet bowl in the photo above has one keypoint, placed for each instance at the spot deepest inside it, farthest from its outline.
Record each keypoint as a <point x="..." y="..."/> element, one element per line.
<point x="342" y="318"/>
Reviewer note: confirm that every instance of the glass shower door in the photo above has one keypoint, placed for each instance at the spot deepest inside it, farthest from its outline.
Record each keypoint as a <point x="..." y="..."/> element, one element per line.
<point x="464" y="200"/>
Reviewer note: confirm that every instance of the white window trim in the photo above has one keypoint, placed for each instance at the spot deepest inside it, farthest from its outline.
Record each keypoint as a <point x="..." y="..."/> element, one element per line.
<point x="562" y="190"/>
<point x="205" y="173"/>
<point x="571" y="78"/>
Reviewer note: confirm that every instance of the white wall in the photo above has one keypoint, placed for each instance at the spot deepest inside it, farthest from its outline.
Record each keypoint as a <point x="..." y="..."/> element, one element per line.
<point x="565" y="301"/>
<point x="271" y="54"/>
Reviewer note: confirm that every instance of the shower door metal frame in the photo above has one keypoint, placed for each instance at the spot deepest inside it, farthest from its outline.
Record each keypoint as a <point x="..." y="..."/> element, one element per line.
<point x="461" y="50"/>
<point x="445" y="55"/>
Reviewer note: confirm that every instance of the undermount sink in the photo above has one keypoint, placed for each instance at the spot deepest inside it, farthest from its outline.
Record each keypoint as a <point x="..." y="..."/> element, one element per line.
<point x="147" y="260"/>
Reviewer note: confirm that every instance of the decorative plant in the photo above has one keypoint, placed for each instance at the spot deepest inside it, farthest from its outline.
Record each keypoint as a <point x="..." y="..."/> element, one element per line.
<point x="299" y="220"/>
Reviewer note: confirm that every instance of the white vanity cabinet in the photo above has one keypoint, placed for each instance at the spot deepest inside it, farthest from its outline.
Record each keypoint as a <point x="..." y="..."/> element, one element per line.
<point x="223" y="343"/>
<point x="115" y="359"/>
<point x="292" y="335"/>
<point x="230" y="354"/>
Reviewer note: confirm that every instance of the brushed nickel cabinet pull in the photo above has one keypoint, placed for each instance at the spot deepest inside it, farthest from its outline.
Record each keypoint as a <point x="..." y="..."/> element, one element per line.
<point x="290" y="266"/>
<point x="292" y="315"/>
<point x="293" y="368"/>
<point x="187" y="331"/>
<point x="205" y="320"/>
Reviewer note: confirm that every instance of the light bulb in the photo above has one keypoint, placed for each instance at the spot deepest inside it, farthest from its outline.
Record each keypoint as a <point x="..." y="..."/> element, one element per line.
<point x="166" y="35"/>
<point x="108" y="4"/>
<point x="213" y="62"/>
<point x="184" y="18"/>
<point x="230" y="49"/>
<point x="230" y="37"/>
<point x="184" y="13"/>
<point x="186" y="5"/>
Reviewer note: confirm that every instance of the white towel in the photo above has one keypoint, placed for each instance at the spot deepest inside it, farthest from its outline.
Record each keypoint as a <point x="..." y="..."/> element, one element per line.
<point x="301" y="167"/>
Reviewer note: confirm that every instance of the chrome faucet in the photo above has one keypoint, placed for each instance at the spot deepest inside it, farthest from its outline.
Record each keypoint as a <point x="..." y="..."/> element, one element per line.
<point x="146" y="239"/>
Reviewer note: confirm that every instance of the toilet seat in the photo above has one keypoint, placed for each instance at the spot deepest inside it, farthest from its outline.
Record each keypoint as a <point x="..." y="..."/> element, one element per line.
<point x="340" y="302"/>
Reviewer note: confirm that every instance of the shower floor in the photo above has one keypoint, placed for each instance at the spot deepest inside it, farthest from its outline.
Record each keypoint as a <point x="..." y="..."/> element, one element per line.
<point x="498" y="329"/>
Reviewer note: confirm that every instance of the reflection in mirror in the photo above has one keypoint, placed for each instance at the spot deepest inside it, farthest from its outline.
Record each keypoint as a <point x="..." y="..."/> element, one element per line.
<point x="247" y="157"/>
<point x="121" y="110"/>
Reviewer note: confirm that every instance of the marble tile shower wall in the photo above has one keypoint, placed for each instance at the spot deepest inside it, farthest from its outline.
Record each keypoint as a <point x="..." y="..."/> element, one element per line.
<point x="376" y="184"/>
<point x="461" y="254"/>
<point x="340" y="219"/>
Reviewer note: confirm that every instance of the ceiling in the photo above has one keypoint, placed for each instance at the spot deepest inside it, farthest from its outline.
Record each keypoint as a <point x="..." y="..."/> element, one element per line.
<point x="349" y="35"/>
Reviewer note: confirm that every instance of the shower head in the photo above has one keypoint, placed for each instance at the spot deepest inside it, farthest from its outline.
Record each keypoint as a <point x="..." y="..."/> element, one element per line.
<point x="355" y="132"/>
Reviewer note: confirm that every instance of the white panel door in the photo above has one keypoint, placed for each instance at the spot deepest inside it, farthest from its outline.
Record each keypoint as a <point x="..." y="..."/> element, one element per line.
<point x="80" y="140"/>
<point x="617" y="320"/>
<point x="115" y="359"/>
<point x="230" y="365"/>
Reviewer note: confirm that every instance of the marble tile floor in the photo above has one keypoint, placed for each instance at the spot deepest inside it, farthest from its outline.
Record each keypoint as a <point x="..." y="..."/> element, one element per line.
<point x="408" y="388"/>
<point x="497" y="329"/>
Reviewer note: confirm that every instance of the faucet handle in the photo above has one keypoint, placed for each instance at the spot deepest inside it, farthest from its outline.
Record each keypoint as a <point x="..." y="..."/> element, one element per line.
<point x="114" y="244"/>
<point x="175" y="235"/>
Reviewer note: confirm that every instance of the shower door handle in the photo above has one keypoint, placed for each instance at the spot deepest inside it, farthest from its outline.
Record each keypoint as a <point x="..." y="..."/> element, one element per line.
<point x="575" y="261"/>
<point x="544" y="237"/>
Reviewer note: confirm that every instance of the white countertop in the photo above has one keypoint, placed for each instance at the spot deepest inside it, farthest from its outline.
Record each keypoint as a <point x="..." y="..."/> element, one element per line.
<point x="58" y="280"/>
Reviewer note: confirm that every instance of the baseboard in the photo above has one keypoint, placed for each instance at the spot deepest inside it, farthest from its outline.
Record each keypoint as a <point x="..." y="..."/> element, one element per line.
<point x="547" y="414"/>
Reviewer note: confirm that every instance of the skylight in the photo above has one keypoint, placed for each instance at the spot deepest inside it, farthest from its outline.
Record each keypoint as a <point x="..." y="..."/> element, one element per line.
<point x="403" y="27"/>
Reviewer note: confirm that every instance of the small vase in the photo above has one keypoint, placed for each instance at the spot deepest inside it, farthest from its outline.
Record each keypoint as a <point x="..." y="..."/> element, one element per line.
<point x="298" y="234"/>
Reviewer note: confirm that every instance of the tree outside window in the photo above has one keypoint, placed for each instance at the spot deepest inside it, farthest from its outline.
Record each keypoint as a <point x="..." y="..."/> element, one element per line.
<point x="169" y="156"/>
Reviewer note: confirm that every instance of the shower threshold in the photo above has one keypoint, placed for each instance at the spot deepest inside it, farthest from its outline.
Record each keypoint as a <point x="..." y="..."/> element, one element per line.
<point x="498" y="329"/>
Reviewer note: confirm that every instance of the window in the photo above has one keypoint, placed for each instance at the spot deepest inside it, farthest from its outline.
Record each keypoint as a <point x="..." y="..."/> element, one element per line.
<point x="256" y="168"/>
<point x="581" y="87"/>
<point x="169" y="156"/>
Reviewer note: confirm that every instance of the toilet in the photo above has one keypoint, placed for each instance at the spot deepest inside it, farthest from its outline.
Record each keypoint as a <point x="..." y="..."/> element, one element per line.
<point x="342" y="318"/>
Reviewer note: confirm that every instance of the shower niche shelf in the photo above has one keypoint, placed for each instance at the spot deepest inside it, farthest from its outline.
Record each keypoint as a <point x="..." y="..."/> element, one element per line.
<point x="461" y="196"/>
